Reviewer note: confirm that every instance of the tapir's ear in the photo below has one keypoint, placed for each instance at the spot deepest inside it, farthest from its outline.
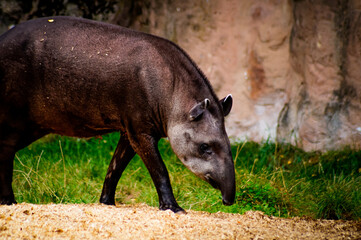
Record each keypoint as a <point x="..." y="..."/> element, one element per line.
<point x="226" y="104"/>
<point x="199" y="109"/>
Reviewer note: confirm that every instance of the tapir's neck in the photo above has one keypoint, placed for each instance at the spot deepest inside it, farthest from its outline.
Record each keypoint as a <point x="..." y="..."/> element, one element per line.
<point x="189" y="90"/>
<point x="183" y="83"/>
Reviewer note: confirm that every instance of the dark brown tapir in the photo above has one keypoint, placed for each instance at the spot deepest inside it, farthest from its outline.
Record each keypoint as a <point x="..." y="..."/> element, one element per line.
<point x="82" y="78"/>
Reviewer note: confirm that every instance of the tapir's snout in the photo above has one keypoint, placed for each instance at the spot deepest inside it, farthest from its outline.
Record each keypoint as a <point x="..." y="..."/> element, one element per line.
<point x="228" y="195"/>
<point x="225" y="182"/>
<point x="228" y="187"/>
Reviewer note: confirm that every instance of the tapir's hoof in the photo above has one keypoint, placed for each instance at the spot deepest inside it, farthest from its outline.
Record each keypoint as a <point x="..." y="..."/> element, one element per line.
<point x="182" y="212"/>
<point x="176" y="209"/>
<point x="106" y="200"/>
<point x="7" y="201"/>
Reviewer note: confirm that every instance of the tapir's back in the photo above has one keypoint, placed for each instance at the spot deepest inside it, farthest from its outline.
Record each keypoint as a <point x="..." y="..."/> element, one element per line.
<point x="66" y="69"/>
<point x="62" y="45"/>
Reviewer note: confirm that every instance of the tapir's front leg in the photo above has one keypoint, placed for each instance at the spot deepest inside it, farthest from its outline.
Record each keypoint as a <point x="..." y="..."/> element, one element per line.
<point x="121" y="158"/>
<point x="147" y="148"/>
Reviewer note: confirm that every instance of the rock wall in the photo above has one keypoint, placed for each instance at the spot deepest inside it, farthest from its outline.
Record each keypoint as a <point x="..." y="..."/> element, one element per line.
<point x="291" y="66"/>
<point x="323" y="110"/>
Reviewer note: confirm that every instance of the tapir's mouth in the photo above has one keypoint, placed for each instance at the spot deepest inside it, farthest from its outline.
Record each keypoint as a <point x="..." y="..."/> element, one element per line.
<point x="211" y="181"/>
<point x="227" y="196"/>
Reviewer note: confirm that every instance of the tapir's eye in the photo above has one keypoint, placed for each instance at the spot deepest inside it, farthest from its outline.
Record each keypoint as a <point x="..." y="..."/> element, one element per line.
<point x="205" y="148"/>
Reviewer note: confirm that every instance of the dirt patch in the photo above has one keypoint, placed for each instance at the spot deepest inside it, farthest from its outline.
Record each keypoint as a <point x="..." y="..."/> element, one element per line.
<point x="96" y="221"/>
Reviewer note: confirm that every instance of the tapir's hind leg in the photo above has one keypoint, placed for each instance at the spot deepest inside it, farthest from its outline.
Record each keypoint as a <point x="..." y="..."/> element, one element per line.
<point x="11" y="140"/>
<point x="7" y="154"/>
<point x="121" y="158"/>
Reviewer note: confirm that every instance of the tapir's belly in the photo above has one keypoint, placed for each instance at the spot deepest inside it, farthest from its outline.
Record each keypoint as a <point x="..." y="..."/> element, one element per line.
<point x="81" y="116"/>
<point x="77" y="126"/>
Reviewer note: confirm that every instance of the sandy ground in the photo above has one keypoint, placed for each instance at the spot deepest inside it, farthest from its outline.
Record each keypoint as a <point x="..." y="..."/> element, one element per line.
<point x="96" y="221"/>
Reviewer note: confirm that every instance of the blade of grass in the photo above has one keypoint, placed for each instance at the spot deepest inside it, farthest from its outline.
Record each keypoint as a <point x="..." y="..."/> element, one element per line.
<point x="238" y="152"/>
<point x="27" y="177"/>
<point x="62" y="156"/>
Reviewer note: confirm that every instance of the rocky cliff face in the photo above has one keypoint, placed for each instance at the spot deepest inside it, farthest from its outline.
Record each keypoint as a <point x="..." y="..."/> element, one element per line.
<point x="292" y="66"/>
<point x="323" y="109"/>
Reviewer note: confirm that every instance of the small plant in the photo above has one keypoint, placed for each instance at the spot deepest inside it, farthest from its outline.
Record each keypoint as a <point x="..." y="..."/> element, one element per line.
<point x="338" y="199"/>
<point x="261" y="197"/>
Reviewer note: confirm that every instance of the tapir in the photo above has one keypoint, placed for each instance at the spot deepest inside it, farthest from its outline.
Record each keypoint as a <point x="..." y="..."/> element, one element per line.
<point x="83" y="78"/>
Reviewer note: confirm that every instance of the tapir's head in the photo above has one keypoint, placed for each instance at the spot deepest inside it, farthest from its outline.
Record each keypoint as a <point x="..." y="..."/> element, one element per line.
<point x="201" y="143"/>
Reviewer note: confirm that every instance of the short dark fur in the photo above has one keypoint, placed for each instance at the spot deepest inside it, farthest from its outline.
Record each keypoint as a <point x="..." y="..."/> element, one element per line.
<point x="83" y="78"/>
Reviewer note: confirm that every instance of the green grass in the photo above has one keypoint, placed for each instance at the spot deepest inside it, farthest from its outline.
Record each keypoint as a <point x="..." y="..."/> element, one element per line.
<point x="280" y="180"/>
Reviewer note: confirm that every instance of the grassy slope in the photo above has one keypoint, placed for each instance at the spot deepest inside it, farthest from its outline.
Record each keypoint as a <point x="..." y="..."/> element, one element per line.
<point x="278" y="180"/>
